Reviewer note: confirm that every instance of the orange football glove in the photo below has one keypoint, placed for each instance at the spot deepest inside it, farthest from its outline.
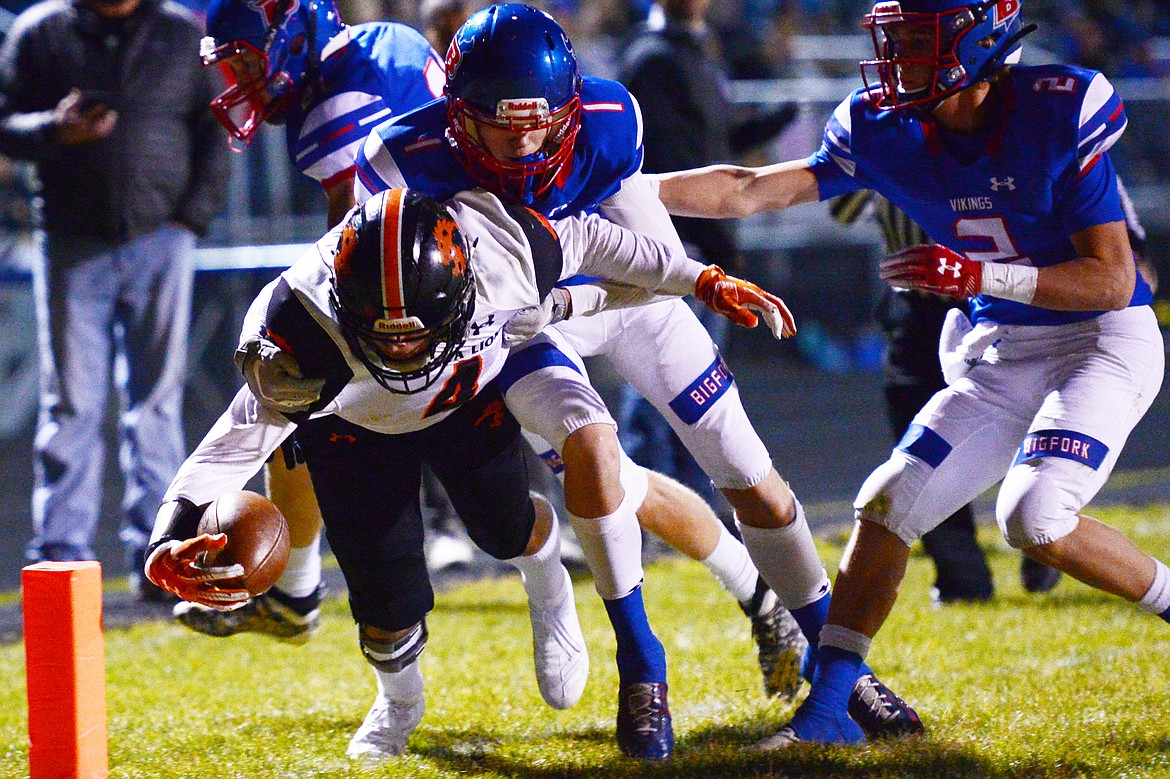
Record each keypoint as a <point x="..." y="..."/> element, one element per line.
<point x="736" y="299"/>
<point x="175" y="566"/>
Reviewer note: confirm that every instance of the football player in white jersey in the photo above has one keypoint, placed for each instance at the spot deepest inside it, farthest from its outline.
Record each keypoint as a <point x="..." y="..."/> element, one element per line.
<point x="1008" y="169"/>
<point x="299" y="65"/>
<point x="403" y="322"/>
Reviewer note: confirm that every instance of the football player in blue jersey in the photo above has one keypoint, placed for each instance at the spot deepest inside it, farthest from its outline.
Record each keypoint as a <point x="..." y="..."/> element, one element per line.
<point x="297" y="64"/>
<point x="1007" y="169"/>
<point x="519" y="120"/>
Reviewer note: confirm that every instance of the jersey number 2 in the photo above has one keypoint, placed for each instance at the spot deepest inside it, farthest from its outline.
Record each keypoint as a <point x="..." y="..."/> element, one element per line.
<point x="992" y="228"/>
<point x="458" y="389"/>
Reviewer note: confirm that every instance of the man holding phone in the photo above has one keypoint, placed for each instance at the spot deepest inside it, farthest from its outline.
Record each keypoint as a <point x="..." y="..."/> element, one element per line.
<point x="90" y="91"/>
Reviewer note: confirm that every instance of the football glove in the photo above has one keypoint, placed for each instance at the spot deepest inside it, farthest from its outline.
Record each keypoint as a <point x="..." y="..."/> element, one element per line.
<point x="527" y="322"/>
<point x="933" y="268"/>
<point x="275" y="378"/>
<point x="737" y="299"/>
<point x="175" y="566"/>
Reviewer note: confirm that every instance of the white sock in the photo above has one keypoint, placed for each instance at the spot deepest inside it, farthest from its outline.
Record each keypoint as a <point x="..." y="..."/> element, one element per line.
<point x="404" y="686"/>
<point x="303" y="572"/>
<point x="844" y="638"/>
<point x="1157" y="600"/>
<point x="542" y="573"/>
<point x="788" y="560"/>
<point x="613" y="548"/>
<point x="732" y="566"/>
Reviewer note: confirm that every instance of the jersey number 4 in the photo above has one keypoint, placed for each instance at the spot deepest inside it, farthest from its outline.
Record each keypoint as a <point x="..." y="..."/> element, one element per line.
<point x="459" y="388"/>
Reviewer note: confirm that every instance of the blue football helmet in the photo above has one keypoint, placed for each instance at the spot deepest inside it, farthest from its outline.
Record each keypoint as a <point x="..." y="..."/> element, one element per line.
<point x="928" y="50"/>
<point x="511" y="66"/>
<point x="403" y="288"/>
<point x="267" y="50"/>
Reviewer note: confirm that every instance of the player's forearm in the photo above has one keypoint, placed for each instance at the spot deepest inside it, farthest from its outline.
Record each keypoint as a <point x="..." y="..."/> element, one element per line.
<point x="233" y="451"/>
<point x="622" y="255"/>
<point x="1100" y="278"/>
<point x="727" y="191"/>
<point x="1085" y="284"/>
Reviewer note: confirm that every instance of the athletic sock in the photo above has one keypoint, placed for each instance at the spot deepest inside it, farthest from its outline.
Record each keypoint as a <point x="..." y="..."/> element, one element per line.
<point x="302" y="574"/>
<point x="732" y="566"/>
<point x="640" y="655"/>
<point x="1157" y="598"/>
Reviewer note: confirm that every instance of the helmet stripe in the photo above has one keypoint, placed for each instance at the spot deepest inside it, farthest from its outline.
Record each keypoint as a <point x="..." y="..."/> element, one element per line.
<point x="391" y="250"/>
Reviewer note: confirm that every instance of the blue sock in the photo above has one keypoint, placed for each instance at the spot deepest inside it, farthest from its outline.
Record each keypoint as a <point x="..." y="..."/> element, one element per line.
<point x="824" y="715"/>
<point x="1165" y="615"/>
<point x="640" y="656"/>
<point x="811" y="619"/>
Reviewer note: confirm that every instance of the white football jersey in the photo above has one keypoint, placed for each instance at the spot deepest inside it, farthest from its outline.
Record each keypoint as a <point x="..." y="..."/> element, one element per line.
<point x="517" y="256"/>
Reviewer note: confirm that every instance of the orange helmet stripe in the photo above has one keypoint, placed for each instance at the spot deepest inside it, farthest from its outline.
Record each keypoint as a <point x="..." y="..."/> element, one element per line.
<point x="391" y="254"/>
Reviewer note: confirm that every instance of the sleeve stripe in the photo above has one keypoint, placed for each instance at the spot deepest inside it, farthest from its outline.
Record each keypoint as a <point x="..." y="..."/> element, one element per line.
<point x="1100" y="148"/>
<point x="1099" y="93"/>
<point x="339" y="106"/>
<point x="849" y="166"/>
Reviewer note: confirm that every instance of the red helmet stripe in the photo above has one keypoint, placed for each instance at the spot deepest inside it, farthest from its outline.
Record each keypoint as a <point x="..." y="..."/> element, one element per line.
<point x="391" y="254"/>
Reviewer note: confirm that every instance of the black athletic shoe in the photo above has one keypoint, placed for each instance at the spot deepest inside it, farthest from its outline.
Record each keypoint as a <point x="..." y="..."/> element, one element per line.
<point x="881" y="713"/>
<point x="1037" y="577"/>
<point x="644" y="730"/>
<point x="780" y="645"/>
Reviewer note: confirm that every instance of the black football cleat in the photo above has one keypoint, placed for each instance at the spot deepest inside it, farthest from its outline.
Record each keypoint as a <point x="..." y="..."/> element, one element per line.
<point x="881" y="713"/>
<point x="644" y="730"/>
<point x="1037" y="577"/>
<point x="780" y="645"/>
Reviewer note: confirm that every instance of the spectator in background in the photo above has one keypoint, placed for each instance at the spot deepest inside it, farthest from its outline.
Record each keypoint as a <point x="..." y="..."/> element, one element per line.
<point x="99" y="95"/>
<point x="674" y="67"/>
<point x="439" y="19"/>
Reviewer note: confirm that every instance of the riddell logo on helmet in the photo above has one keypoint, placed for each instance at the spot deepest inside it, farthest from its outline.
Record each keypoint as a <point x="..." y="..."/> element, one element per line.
<point x="1004" y="11"/>
<point x="391" y="326"/>
<point x="527" y="109"/>
<point x="273" y="10"/>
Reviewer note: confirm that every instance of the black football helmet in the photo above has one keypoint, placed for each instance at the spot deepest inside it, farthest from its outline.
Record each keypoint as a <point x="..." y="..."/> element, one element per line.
<point x="403" y="289"/>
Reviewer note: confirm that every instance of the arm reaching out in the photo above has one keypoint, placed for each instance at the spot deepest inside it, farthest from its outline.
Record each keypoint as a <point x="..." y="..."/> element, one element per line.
<point x="727" y="191"/>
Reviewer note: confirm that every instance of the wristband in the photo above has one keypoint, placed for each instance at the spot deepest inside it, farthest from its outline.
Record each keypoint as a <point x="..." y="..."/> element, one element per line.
<point x="1009" y="282"/>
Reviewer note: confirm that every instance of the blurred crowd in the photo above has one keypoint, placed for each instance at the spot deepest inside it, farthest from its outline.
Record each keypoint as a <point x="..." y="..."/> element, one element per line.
<point x="1117" y="37"/>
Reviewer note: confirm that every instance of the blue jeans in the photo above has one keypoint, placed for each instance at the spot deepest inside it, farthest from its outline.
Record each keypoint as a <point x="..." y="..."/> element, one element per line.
<point x="120" y="312"/>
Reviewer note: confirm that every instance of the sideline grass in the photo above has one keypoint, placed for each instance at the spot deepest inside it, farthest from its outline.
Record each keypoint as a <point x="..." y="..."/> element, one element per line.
<point x="1069" y="684"/>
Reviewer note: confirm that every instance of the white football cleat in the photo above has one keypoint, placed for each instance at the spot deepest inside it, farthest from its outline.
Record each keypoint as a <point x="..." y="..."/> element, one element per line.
<point x="781" y="739"/>
<point x="386" y="728"/>
<point x="558" y="649"/>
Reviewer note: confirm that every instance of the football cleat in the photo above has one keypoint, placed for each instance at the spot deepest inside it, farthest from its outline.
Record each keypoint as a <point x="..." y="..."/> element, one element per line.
<point x="1037" y="577"/>
<point x="781" y="739"/>
<point x="387" y="726"/>
<point x="780" y="644"/>
<point x="644" y="729"/>
<point x="558" y="649"/>
<point x="881" y="713"/>
<point x="266" y="613"/>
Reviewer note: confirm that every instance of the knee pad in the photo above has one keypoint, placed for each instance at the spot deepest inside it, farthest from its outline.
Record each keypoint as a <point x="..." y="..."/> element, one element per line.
<point x="393" y="656"/>
<point x="1037" y="503"/>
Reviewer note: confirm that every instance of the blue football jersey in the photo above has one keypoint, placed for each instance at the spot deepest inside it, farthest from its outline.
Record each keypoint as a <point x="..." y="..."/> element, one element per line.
<point x="413" y="151"/>
<point x="1014" y="193"/>
<point x="381" y="69"/>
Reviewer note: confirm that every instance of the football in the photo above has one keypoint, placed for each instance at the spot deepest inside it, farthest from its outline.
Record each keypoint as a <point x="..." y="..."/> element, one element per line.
<point x="257" y="538"/>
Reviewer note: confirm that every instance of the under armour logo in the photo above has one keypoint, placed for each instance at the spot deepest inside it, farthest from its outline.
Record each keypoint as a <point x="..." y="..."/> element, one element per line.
<point x="1009" y="182"/>
<point x="336" y="438"/>
<point x="956" y="269"/>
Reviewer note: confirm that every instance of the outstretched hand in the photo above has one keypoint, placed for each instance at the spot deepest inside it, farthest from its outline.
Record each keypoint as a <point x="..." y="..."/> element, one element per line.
<point x="739" y="300"/>
<point x="176" y="567"/>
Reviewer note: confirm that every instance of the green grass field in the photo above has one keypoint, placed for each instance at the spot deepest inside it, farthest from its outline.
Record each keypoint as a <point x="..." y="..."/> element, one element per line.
<point x="1073" y="683"/>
